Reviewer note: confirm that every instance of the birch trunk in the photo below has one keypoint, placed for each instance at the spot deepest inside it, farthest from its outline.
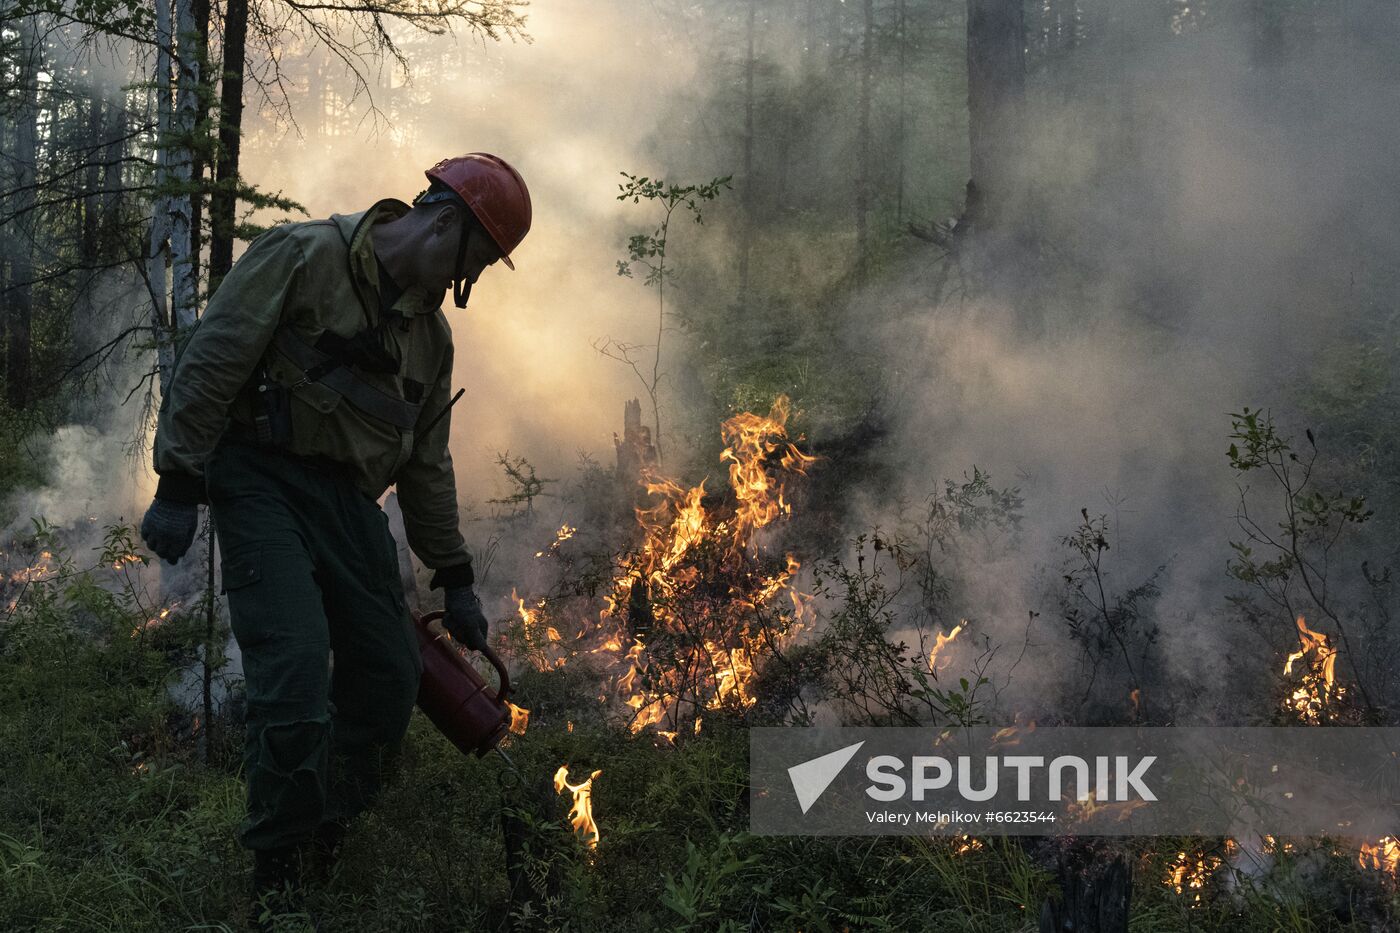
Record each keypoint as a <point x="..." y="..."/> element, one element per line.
<point x="159" y="253"/>
<point x="184" y="264"/>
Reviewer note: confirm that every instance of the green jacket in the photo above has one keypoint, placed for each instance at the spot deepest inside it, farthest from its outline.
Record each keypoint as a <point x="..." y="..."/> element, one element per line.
<point x="313" y="277"/>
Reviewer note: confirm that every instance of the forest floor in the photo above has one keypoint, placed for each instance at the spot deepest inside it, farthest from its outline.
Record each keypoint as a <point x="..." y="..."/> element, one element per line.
<point x="114" y="817"/>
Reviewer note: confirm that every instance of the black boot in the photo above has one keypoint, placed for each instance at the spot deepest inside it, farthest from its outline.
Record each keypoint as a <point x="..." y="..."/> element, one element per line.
<point x="278" y="895"/>
<point x="320" y="854"/>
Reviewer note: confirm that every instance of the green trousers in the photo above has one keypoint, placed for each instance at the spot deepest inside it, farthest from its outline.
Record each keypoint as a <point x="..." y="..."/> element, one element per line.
<point x="330" y="659"/>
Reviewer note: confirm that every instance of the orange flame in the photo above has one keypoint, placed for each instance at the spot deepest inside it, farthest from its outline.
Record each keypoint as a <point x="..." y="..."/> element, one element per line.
<point x="1189" y="874"/>
<point x="1317" y="689"/>
<point x="541" y="640"/>
<point x="965" y="843"/>
<point x="581" y="815"/>
<point x="752" y="441"/>
<point x="682" y="532"/>
<point x="698" y="586"/>
<point x="36" y="571"/>
<point x="940" y="642"/>
<point x="565" y="532"/>
<point x="1077" y="810"/>
<point x="1382" y="856"/>
<point x="519" y="718"/>
<point x="153" y="622"/>
<point x="1012" y="735"/>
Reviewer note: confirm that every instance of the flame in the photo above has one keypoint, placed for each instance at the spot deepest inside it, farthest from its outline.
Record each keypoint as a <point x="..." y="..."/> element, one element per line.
<point x="34" y="573"/>
<point x="752" y="441"/>
<point x="581" y="815"/>
<point x="1077" y="810"/>
<point x="1189" y="874"/>
<point x="697" y="603"/>
<point x="699" y="586"/>
<point x="565" y="532"/>
<point x="519" y="718"/>
<point x="153" y="622"/>
<point x="966" y="843"/>
<point x="1382" y="856"/>
<point x="940" y="642"/>
<point x="1012" y="735"/>
<point x="542" y="641"/>
<point x="1317" y="690"/>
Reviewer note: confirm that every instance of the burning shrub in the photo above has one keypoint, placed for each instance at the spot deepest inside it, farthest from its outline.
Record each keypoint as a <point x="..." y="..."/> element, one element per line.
<point x="698" y="603"/>
<point x="875" y="680"/>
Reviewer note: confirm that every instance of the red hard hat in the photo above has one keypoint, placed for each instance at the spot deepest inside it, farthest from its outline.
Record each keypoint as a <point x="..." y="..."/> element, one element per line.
<point x="494" y="191"/>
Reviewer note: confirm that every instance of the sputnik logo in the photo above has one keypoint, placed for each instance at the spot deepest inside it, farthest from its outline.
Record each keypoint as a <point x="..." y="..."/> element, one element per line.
<point x="811" y="778"/>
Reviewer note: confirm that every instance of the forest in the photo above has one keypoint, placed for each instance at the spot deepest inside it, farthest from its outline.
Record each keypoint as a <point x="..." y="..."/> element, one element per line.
<point x="900" y="363"/>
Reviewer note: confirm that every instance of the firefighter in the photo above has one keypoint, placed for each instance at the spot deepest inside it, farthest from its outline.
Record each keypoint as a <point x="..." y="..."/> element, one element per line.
<point x="320" y="375"/>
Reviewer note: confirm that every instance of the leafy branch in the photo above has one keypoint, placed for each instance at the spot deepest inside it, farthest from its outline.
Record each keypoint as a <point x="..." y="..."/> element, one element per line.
<point x="647" y="251"/>
<point x="1299" y="549"/>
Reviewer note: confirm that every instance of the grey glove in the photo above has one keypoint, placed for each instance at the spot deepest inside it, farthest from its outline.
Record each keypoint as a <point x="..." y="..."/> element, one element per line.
<point x="168" y="528"/>
<point x="464" y="620"/>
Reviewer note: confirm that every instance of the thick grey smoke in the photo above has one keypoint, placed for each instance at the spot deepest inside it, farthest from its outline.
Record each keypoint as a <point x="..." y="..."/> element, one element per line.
<point x="1215" y="230"/>
<point x="1207" y="222"/>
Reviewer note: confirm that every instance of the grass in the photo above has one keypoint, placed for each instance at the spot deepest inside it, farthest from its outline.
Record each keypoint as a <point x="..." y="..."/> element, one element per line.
<point x="112" y="820"/>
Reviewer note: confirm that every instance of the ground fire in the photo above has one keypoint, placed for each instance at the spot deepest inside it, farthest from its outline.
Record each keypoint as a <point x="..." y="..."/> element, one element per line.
<point x="1316" y="693"/>
<point x="1383" y="855"/>
<point x="698" y="600"/>
<point x="581" y="814"/>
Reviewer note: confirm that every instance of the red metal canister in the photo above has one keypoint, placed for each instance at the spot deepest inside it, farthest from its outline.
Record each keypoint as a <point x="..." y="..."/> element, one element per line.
<point x="455" y="697"/>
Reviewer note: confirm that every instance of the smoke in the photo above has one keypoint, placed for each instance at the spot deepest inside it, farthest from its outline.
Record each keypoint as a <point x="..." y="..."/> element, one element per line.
<point x="569" y="110"/>
<point x="1203" y="229"/>
<point x="1205" y="223"/>
<point x="1204" y="234"/>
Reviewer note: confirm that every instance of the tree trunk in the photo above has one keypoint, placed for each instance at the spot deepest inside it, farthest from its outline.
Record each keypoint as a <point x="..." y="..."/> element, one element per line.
<point x="833" y="39"/>
<point x="223" y="206"/>
<point x="996" y="82"/>
<point x="184" y="260"/>
<point x="635" y="453"/>
<point x="746" y="236"/>
<point x="89" y="245"/>
<point x="1094" y="897"/>
<point x="809" y="45"/>
<point x="160" y="210"/>
<point x="199" y="153"/>
<point x="863" y="157"/>
<point x="113" y="153"/>
<point x="901" y="37"/>
<point x="19" y="304"/>
<point x="1266" y="20"/>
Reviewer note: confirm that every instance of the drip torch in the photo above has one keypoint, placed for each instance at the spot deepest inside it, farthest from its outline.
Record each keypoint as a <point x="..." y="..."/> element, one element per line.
<point x="457" y="699"/>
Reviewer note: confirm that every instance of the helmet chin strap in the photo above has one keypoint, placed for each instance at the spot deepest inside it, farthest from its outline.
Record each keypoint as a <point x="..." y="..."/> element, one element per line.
<point x="461" y="291"/>
<point x="461" y="288"/>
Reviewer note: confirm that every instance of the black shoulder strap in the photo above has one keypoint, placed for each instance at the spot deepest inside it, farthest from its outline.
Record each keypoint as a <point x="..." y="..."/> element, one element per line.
<point x="318" y="366"/>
